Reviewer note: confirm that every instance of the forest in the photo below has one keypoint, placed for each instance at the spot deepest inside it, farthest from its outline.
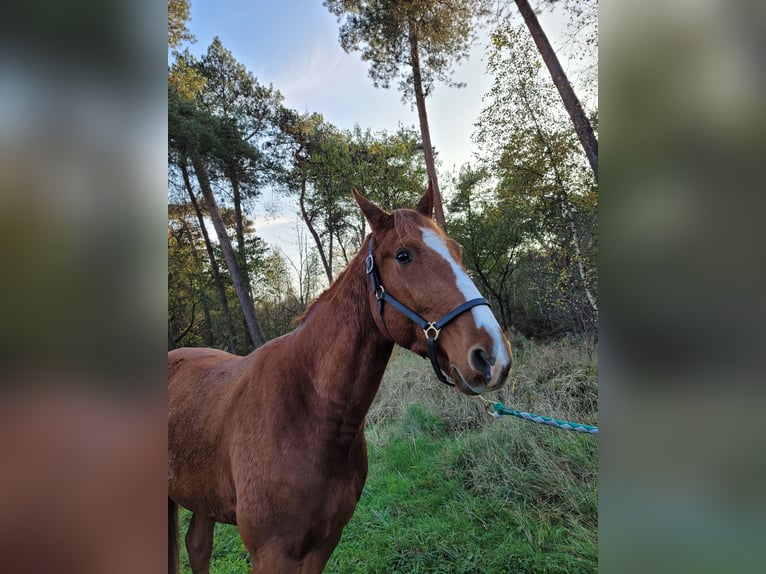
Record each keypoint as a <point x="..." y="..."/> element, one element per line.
<point x="525" y="210"/>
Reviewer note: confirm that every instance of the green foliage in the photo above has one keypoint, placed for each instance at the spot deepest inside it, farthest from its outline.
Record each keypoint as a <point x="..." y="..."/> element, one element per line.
<point x="220" y="120"/>
<point x="277" y="302"/>
<point x="186" y="293"/>
<point x="450" y="492"/>
<point x="178" y="16"/>
<point x="184" y="77"/>
<point x="526" y="214"/>
<point x="328" y="162"/>
<point x="194" y="312"/>
<point x="190" y="129"/>
<point x="249" y="112"/>
<point x="492" y="232"/>
<point x="389" y="167"/>
<point x="240" y="116"/>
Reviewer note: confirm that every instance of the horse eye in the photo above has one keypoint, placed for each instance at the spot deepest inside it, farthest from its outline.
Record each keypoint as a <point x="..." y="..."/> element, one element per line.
<point x="403" y="257"/>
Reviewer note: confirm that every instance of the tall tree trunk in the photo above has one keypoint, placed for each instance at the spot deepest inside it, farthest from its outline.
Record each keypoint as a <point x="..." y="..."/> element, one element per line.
<point x="343" y="250"/>
<point x="217" y="279"/>
<point x="329" y="249"/>
<point x="240" y="233"/>
<point x="582" y="126"/>
<point x="208" y="336"/>
<point x="425" y="133"/>
<point x="314" y="234"/>
<point x="240" y="287"/>
<point x="239" y="224"/>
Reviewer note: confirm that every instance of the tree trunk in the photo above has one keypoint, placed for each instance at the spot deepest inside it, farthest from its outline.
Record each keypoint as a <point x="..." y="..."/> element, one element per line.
<point x="329" y="249"/>
<point x="582" y="126"/>
<point x="228" y="321"/>
<point x="239" y="225"/>
<point x="208" y="337"/>
<point x="240" y="233"/>
<point x="578" y="256"/>
<point x="425" y="133"/>
<point x="240" y="286"/>
<point x="314" y="234"/>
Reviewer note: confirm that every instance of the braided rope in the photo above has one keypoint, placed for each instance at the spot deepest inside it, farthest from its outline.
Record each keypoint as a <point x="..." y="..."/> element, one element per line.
<point x="499" y="408"/>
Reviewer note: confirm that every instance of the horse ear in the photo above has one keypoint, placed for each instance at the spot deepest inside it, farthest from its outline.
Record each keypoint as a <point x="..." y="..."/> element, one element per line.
<point x="426" y="203"/>
<point x="376" y="217"/>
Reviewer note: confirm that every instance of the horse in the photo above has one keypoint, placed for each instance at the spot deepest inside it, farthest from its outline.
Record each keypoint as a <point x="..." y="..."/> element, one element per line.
<point x="273" y="442"/>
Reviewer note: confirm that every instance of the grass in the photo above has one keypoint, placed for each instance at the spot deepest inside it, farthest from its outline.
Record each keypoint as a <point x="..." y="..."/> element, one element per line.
<point x="452" y="490"/>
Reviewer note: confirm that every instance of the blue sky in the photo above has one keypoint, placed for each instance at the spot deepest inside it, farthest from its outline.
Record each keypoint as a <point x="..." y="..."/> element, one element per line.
<point x="293" y="45"/>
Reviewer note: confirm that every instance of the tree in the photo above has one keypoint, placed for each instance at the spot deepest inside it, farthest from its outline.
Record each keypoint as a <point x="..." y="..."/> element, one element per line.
<point x="306" y="269"/>
<point x="192" y="136"/>
<point x="574" y="108"/>
<point x="185" y="289"/>
<point x="491" y="228"/>
<point x="327" y="163"/>
<point x="246" y="112"/>
<point x="533" y="155"/>
<point x="178" y="16"/>
<point x="314" y="146"/>
<point x="214" y="269"/>
<point x="223" y="124"/>
<point x="277" y="301"/>
<point x="417" y="40"/>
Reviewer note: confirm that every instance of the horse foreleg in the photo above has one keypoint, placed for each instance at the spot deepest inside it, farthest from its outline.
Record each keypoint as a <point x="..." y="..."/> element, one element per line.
<point x="199" y="543"/>
<point x="316" y="560"/>
<point x="172" y="537"/>
<point x="275" y="556"/>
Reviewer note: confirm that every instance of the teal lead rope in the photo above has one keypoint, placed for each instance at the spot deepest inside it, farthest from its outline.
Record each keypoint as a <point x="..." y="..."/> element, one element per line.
<point x="499" y="409"/>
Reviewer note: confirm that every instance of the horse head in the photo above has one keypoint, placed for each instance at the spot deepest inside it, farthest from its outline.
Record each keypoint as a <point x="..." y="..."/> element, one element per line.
<point x="425" y="301"/>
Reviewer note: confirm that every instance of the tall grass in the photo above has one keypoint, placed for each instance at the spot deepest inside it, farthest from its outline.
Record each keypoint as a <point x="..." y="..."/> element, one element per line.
<point x="453" y="490"/>
<point x="558" y="379"/>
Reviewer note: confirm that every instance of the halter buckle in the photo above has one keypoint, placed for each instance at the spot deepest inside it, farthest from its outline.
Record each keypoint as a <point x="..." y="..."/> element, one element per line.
<point x="379" y="292"/>
<point x="369" y="264"/>
<point x="431" y="328"/>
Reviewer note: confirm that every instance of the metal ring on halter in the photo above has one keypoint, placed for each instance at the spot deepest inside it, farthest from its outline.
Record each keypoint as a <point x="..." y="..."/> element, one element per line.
<point x="429" y="328"/>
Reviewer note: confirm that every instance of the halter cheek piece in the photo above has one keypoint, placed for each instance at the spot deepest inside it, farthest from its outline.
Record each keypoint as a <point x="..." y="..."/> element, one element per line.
<point x="430" y="330"/>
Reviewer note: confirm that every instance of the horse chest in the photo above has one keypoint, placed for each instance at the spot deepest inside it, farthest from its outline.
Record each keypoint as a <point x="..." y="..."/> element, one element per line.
<point x="320" y="484"/>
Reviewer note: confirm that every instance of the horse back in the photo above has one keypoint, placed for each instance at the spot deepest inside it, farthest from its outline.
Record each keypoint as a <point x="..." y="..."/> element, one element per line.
<point x="202" y="389"/>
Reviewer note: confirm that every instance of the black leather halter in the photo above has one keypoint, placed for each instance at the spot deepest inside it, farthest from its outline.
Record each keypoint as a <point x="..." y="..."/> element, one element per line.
<point x="430" y="330"/>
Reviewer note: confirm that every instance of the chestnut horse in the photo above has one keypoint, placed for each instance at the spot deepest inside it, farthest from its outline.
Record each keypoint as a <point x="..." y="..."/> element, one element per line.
<point x="274" y="441"/>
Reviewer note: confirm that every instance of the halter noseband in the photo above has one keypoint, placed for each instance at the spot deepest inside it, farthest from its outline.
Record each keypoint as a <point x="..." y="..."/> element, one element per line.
<point x="430" y="329"/>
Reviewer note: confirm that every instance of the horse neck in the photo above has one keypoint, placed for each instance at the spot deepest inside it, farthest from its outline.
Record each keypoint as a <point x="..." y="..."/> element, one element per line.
<point x="346" y="354"/>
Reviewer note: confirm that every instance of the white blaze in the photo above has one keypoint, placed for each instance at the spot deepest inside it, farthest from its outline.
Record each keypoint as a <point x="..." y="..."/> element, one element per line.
<point x="481" y="313"/>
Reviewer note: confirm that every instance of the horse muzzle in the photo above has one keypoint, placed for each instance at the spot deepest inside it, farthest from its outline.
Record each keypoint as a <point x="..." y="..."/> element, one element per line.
<point x="485" y="373"/>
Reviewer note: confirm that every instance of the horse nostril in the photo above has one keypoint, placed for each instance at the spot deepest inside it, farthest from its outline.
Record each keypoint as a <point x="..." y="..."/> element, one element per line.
<point x="481" y="362"/>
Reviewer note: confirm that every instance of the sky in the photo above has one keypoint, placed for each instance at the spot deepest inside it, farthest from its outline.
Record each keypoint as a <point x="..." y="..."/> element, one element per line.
<point x="293" y="45"/>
